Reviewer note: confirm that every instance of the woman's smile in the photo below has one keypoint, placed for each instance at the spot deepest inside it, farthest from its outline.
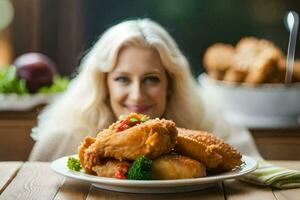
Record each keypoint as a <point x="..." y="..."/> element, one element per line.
<point x="138" y="108"/>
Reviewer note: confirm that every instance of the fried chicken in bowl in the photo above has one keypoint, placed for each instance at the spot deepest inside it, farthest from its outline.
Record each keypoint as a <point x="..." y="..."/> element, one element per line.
<point x="249" y="84"/>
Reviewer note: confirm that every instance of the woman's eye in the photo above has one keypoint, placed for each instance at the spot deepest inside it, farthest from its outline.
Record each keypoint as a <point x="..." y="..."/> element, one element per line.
<point x="122" y="79"/>
<point x="152" y="79"/>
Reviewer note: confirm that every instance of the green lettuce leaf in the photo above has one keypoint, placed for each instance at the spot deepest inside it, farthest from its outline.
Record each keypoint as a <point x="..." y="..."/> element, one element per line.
<point x="59" y="85"/>
<point x="9" y="82"/>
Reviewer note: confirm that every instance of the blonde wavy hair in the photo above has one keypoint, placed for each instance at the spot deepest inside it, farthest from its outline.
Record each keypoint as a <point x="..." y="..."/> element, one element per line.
<point x="84" y="107"/>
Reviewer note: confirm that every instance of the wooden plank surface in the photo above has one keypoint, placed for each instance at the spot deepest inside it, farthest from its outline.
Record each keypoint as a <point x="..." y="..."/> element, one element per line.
<point x="34" y="181"/>
<point x="291" y="194"/>
<point x="236" y="190"/>
<point x="8" y="171"/>
<point x="73" y="190"/>
<point x="213" y="193"/>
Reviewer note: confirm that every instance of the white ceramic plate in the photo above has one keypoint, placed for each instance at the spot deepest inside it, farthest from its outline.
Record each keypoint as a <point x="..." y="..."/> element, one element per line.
<point x="154" y="186"/>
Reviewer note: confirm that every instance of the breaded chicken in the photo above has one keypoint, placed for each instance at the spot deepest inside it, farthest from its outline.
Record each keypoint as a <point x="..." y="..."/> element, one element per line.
<point x="252" y="61"/>
<point x="219" y="57"/>
<point x="151" y="138"/>
<point x="88" y="141"/>
<point x="174" y="166"/>
<point x="257" y="57"/>
<point x="112" y="168"/>
<point x="234" y="75"/>
<point x="207" y="149"/>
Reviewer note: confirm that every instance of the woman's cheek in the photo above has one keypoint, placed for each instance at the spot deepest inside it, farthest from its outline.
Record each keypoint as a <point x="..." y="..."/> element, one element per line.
<point x="158" y="93"/>
<point x="116" y="92"/>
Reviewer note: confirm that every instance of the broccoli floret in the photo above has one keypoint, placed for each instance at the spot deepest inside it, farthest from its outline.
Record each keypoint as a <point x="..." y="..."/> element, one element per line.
<point x="140" y="169"/>
<point x="74" y="164"/>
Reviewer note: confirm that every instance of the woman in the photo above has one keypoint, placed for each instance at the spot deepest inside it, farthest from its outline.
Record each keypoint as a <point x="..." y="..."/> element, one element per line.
<point x="135" y="66"/>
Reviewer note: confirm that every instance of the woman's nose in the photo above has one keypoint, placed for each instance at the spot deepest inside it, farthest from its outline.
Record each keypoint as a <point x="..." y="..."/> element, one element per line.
<point x="136" y="92"/>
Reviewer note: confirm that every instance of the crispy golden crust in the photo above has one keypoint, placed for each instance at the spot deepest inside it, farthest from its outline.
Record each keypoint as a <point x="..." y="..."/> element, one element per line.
<point x="234" y="75"/>
<point x="258" y="57"/>
<point x="174" y="166"/>
<point x="296" y="71"/>
<point x="137" y="116"/>
<point x="207" y="149"/>
<point x="152" y="139"/>
<point x="219" y="57"/>
<point x="109" y="167"/>
<point x="216" y="74"/>
<point x="250" y="50"/>
<point x="265" y="69"/>
<point x="252" y="61"/>
<point x="88" y="141"/>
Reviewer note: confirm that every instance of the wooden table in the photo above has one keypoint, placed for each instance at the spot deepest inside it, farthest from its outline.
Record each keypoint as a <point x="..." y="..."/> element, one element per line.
<point x="35" y="180"/>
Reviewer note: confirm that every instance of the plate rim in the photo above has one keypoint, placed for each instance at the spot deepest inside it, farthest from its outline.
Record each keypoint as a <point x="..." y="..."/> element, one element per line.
<point x="252" y="165"/>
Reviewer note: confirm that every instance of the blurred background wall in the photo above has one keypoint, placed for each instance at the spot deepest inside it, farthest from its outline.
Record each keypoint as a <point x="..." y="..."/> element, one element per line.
<point x="65" y="29"/>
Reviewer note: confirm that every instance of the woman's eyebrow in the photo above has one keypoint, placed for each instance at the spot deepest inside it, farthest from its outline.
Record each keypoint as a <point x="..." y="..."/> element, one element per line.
<point x="120" y="72"/>
<point x="154" y="70"/>
<point x="152" y="73"/>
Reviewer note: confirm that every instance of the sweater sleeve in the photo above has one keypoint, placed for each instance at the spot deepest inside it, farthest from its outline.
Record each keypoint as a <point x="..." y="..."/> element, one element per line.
<point x="57" y="144"/>
<point x="46" y="147"/>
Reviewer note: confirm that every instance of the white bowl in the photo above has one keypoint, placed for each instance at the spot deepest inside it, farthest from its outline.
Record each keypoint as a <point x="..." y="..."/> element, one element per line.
<point x="263" y="106"/>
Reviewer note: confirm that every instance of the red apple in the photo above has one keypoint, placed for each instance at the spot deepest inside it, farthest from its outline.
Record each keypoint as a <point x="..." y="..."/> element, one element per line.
<point x="36" y="69"/>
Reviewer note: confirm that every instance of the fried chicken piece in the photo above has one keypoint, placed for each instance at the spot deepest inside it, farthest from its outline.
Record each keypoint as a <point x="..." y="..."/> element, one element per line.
<point x="258" y="58"/>
<point x="219" y="56"/>
<point x="234" y="75"/>
<point x="265" y="70"/>
<point x="253" y="61"/>
<point x="174" y="166"/>
<point x="88" y="141"/>
<point x="115" y="127"/>
<point x="126" y="122"/>
<point x="296" y="71"/>
<point x="218" y="59"/>
<point x="112" y="168"/>
<point x="207" y="149"/>
<point x="106" y="168"/>
<point x="216" y="74"/>
<point x="151" y="139"/>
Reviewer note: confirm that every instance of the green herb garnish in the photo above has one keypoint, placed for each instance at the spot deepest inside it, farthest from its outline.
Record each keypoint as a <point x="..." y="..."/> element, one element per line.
<point x="144" y="119"/>
<point x="140" y="169"/>
<point x="74" y="164"/>
<point x="133" y="119"/>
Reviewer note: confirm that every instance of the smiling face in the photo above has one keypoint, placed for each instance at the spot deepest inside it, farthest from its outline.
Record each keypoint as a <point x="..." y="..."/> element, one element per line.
<point x="138" y="83"/>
